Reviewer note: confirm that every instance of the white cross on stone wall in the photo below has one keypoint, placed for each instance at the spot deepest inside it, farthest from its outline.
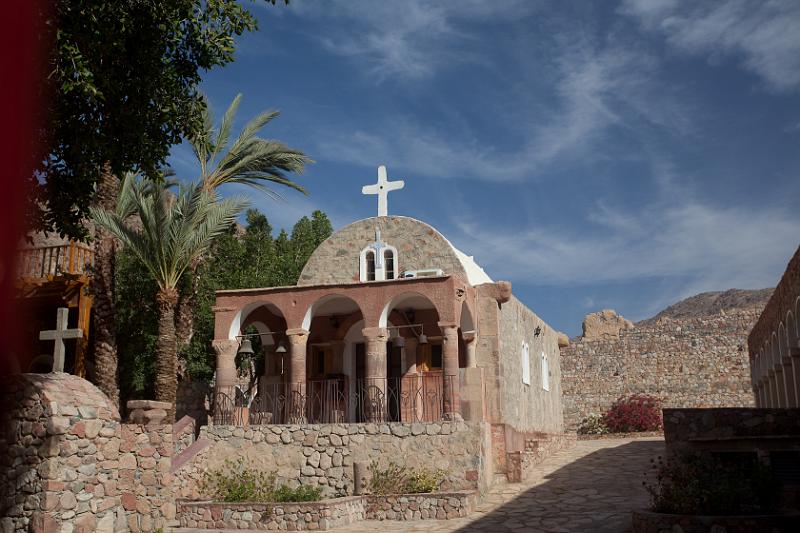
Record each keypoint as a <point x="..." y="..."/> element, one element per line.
<point x="58" y="335"/>
<point x="382" y="189"/>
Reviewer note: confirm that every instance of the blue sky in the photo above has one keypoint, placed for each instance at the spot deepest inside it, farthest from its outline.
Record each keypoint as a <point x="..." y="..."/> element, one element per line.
<point x="596" y="154"/>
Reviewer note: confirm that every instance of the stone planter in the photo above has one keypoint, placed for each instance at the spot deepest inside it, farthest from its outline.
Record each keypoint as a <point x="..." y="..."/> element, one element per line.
<point x="325" y="514"/>
<point x="650" y="522"/>
<point x="303" y="516"/>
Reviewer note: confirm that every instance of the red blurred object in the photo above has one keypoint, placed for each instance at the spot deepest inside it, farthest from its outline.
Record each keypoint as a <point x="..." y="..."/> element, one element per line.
<point x="20" y="77"/>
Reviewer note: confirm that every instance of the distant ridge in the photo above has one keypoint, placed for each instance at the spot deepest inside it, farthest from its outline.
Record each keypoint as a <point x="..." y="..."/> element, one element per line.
<point x="711" y="303"/>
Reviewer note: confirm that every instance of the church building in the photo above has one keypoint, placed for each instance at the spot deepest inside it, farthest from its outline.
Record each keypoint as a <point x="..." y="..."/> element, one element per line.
<point x="390" y="322"/>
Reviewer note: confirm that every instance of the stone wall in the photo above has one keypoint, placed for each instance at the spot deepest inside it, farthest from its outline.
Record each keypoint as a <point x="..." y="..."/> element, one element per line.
<point x="326" y="514"/>
<point x="324" y="454"/>
<point x="59" y="456"/>
<point x="688" y="362"/>
<point x="68" y="465"/>
<point x="783" y="307"/>
<point x="306" y="516"/>
<point x="528" y="407"/>
<point x="419" y="246"/>
<point x="192" y="399"/>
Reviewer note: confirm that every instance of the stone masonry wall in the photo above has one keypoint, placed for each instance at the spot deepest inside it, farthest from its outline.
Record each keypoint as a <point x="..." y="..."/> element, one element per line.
<point x="68" y="465"/>
<point x="528" y="407"/>
<point x="419" y="246"/>
<point x="688" y="362"/>
<point x="324" y="454"/>
<point x="59" y="450"/>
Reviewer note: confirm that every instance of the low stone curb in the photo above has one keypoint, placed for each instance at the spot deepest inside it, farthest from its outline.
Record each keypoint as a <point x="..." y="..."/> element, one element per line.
<point x="326" y="514"/>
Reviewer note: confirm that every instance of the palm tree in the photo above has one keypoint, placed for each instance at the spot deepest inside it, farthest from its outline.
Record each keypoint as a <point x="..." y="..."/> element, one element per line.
<point x="249" y="160"/>
<point x="172" y="231"/>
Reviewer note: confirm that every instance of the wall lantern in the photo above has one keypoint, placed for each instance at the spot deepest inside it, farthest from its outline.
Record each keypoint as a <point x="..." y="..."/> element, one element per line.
<point x="537" y="331"/>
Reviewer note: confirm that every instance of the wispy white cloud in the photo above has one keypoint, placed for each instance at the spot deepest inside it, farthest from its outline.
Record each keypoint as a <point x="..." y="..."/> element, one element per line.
<point x="699" y="246"/>
<point x="410" y="39"/>
<point x="596" y="89"/>
<point x="763" y="34"/>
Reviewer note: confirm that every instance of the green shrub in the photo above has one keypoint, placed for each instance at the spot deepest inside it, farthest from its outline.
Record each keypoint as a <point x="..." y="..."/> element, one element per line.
<point x="234" y="482"/>
<point x="593" y="425"/>
<point x="424" y="480"/>
<point x="396" y="479"/>
<point x="303" y="493"/>
<point x="703" y="484"/>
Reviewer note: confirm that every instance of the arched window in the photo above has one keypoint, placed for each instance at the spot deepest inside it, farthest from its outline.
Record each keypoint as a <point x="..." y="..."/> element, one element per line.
<point x="370" y="266"/>
<point x="526" y="364"/>
<point x="388" y="260"/>
<point x="545" y="372"/>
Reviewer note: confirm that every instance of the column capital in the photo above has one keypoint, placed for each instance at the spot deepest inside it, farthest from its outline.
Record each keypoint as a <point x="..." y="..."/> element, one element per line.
<point x="469" y="336"/>
<point x="447" y="325"/>
<point x="375" y="333"/>
<point x="297" y="336"/>
<point x="225" y="346"/>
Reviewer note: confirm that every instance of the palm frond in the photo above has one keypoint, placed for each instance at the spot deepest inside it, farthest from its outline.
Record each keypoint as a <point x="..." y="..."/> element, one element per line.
<point x="224" y="133"/>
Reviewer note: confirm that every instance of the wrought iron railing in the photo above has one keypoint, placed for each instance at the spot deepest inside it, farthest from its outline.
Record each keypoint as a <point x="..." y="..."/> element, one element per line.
<point x="418" y="398"/>
<point x="49" y="261"/>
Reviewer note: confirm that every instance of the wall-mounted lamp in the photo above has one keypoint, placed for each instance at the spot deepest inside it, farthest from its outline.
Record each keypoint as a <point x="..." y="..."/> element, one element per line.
<point x="334" y="321"/>
<point x="537" y="331"/>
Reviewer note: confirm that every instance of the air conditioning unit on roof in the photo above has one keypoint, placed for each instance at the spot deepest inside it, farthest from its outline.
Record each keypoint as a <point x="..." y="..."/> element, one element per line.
<point x="425" y="273"/>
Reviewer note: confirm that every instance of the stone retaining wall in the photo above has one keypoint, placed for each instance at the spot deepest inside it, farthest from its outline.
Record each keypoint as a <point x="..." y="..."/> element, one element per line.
<point x="691" y="362"/>
<point x="324" y="454"/>
<point x="325" y="514"/>
<point x="273" y="516"/>
<point x="520" y="464"/>
<point x="59" y="456"/>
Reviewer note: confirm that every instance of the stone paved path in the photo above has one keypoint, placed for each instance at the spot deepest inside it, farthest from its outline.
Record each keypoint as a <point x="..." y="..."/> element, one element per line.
<point x="590" y="488"/>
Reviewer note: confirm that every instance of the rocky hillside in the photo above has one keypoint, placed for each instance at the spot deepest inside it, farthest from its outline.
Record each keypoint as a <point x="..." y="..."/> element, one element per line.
<point x="711" y="303"/>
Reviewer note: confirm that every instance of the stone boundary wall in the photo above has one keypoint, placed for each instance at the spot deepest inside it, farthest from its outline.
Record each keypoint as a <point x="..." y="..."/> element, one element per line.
<point x="305" y="516"/>
<point x="521" y="464"/>
<point x="69" y="465"/>
<point x="784" y="299"/>
<point x="325" y="515"/>
<point x="706" y="425"/>
<point x="691" y="362"/>
<point x="324" y="455"/>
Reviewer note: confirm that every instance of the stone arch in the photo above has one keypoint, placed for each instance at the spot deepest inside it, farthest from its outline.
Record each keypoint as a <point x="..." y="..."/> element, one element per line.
<point x="245" y="317"/>
<point x="791" y="330"/>
<point x="467" y="320"/>
<point x="410" y="299"/>
<point x="328" y="302"/>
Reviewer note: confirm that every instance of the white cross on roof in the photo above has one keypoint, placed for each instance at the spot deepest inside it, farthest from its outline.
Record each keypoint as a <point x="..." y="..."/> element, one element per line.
<point x="382" y="189"/>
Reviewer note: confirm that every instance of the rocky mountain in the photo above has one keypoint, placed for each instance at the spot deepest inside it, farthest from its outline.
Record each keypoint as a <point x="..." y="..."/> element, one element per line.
<point x="711" y="303"/>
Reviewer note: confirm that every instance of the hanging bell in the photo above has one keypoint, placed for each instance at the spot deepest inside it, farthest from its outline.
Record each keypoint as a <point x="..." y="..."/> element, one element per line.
<point x="281" y="347"/>
<point x="246" y="347"/>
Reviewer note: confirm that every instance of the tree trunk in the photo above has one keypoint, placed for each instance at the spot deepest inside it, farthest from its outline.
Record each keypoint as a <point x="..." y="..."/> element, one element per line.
<point x="167" y="351"/>
<point x="105" y="337"/>
<point x="184" y="315"/>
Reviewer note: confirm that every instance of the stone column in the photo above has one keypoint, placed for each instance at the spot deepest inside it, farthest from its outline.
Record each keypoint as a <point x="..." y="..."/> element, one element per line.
<point x="225" y="382"/>
<point x="450" y="388"/>
<point x="297" y="374"/>
<point x="780" y="386"/>
<point x="794" y="353"/>
<point x="772" y="387"/>
<point x="788" y="382"/>
<point x="374" y="387"/>
<point x="471" y="341"/>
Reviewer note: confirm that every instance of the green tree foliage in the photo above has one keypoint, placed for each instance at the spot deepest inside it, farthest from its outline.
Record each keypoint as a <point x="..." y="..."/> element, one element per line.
<point x="122" y="89"/>
<point x="172" y="231"/>
<point x="242" y="258"/>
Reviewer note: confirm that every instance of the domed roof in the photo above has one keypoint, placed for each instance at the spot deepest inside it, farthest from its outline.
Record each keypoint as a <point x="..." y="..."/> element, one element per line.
<point x="419" y="247"/>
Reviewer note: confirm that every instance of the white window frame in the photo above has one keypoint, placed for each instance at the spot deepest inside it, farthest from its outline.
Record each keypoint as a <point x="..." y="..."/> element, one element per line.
<point x="545" y="372"/>
<point x="526" y="364"/>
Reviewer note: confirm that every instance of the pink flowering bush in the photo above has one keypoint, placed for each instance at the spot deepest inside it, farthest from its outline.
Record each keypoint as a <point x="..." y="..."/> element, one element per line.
<point x="638" y="412"/>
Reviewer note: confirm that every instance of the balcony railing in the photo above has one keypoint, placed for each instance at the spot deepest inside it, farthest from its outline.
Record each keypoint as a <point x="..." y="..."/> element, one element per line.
<point x="50" y="261"/>
<point x="418" y="398"/>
